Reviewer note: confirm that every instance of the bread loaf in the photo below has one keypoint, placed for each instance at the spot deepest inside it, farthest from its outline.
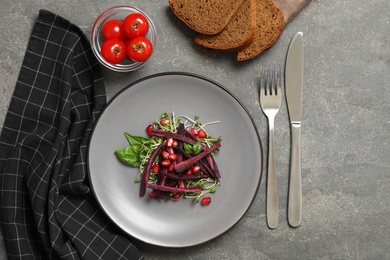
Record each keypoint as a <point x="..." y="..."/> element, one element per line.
<point x="246" y="26"/>
<point x="205" y="16"/>
<point x="239" y="32"/>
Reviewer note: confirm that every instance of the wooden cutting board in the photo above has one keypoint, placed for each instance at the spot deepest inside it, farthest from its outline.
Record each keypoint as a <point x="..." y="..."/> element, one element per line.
<point x="290" y="8"/>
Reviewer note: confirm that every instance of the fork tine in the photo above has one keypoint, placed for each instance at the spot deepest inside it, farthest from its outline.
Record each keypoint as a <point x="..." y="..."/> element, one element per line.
<point x="269" y="82"/>
<point x="272" y="84"/>
<point x="265" y="82"/>
<point x="262" y="86"/>
<point x="278" y="80"/>
<point x="270" y="77"/>
<point x="275" y="79"/>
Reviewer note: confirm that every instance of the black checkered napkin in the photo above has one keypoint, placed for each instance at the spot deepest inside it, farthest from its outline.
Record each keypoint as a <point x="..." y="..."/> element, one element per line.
<point x="47" y="209"/>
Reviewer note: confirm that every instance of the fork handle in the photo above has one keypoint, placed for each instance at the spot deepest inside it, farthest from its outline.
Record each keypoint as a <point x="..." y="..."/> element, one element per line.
<point x="272" y="181"/>
<point x="295" y="190"/>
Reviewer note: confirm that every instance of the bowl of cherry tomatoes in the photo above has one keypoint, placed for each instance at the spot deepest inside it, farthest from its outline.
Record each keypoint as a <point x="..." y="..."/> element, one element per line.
<point x="123" y="38"/>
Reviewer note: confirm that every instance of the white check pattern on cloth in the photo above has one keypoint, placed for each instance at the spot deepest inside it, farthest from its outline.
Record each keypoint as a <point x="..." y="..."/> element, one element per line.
<point x="47" y="209"/>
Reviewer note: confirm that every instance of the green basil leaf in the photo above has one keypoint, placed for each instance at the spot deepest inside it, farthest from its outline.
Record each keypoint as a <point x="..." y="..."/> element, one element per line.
<point x="197" y="148"/>
<point x="188" y="148"/>
<point x="136" y="140"/>
<point x="135" y="150"/>
<point x="129" y="155"/>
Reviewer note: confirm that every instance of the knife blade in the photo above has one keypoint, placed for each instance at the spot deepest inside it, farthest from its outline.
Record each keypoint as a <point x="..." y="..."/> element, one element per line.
<point x="294" y="89"/>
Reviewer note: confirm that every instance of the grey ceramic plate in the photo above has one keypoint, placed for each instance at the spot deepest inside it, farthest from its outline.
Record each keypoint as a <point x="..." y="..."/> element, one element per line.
<point x="175" y="223"/>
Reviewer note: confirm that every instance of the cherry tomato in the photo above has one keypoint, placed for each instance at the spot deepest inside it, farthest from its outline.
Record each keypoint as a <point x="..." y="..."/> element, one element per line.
<point x="113" y="51"/>
<point x="135" y="25"/>
<point x="205" y="201"/>
<point x="113" y="29"/>
<point x="139" y="49"/>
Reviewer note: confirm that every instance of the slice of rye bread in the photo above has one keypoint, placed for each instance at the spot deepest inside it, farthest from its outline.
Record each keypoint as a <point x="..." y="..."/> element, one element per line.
<point x="269" y="27"/>
<point x="239" y="32"/>
<point x="205" y="16"/>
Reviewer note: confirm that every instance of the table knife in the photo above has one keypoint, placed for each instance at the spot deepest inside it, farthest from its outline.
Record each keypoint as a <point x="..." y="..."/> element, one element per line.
<point x="294" y="89"/>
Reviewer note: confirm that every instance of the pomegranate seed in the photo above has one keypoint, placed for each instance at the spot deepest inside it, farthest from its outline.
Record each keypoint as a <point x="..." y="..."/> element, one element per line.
<point x="189" y="172"/>
<point x="172" y="157"/>
<point x="149" y="129"/>
<point x="205" y="201"/>
<point x="171" y="168"/>
<point x="164" y="154"/>
<point x="176" y="196"/>
<point x="202" y="134"/>
<point x="194" y="132"/>
<point x="169" y="142"/>
<point x="166" y="163"/>
<point x="156" y="169"/>
<point x="195" y="169"/>
<point x="170" y="150"/>
<point x="165" y="121"/>
<point x="175" y="143"/>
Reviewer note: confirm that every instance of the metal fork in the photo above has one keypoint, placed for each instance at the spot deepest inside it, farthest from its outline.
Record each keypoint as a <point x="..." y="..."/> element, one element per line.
<point x="270" y="101"/>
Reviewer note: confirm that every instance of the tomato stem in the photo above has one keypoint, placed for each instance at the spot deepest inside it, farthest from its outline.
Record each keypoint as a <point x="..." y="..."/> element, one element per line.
<point x="117" y="51"/>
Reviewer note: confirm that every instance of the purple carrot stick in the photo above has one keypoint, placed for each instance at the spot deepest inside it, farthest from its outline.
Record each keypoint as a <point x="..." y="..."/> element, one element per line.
<point x="204" y="167"/>
<point x="162" y="133"/>
<point x="172" y="189"/>
<point x="184" y="165"/>
<point x="185" y="177"/>
<point x="146" y="173"/>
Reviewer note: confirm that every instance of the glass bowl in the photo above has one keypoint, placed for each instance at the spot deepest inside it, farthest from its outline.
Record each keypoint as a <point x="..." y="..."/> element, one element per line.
<point x="119" y="13"/>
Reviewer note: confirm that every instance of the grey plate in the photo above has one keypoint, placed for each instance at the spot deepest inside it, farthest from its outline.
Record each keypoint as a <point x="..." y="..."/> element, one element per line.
<point x="175" y="223"/>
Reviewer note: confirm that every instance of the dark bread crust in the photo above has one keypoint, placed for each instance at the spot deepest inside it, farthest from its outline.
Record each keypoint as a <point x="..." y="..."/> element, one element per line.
<point x="238" y="33"/>
<point x="205" y="16"/>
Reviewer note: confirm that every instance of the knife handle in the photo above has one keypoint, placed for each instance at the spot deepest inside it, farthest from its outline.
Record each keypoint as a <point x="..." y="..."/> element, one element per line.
<point x="295" y="190"/>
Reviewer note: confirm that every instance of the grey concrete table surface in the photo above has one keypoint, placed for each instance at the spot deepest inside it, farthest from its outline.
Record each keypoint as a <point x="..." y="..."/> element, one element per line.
<point x="346" y="121"/>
